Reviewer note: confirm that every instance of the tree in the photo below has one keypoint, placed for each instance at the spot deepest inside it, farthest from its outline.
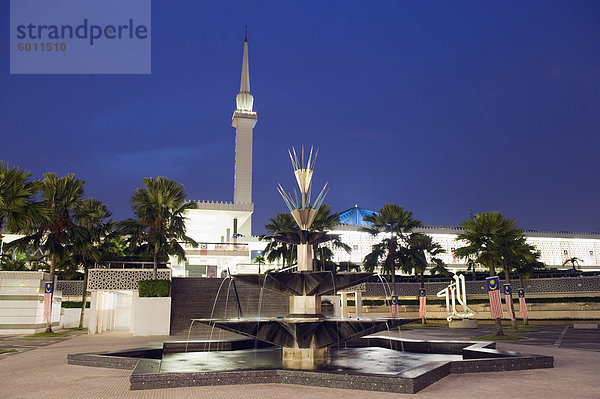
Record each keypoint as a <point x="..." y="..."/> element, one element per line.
<point x="276" y="250"/>
<point x="19" y="211"/>
<point x="439" y="267"/>
<point x="525" y="265"/>
<point x="93" y="216"/>
<point x="159" y="227"/>
<point x="432" y="250"/>
<point x="489" y="238"/>
<point x="574" y="261"/>
<point x="284" y="222"/>
<point x="7" y="263"/>
<point x="414" y="256"/>
<point x="471" y="266"/>
<point x="411" y="256"/>
<point x="259" y="260"/>
<point x="395" y="224"/>
<point x="326" y="221"/>
<point x="55" y="233"/>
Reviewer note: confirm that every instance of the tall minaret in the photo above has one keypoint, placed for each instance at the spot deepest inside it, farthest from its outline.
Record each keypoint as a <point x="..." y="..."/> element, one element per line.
<point x="243" y="120"/>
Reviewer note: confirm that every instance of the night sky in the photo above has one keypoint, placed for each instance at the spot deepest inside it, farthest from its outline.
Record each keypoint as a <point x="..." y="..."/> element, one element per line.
<point x="445" y="108"/>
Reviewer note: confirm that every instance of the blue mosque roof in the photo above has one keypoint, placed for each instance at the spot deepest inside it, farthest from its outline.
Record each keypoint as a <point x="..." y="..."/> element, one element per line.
<point x="355" y="216"/>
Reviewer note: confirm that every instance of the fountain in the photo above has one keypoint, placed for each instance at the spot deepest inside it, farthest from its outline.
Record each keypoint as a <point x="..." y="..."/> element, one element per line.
<point x="305" y="334"/>
<point x="305" y="347"/>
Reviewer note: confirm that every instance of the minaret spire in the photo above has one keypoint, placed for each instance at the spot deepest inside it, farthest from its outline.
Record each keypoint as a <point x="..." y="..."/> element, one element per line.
<point x="245" y="82"/>
<point x="244" y="100"/>
<point x="244" y="119"/>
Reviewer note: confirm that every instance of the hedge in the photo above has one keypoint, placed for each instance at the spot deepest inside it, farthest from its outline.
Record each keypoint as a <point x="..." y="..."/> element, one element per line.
<point x="74" y="304"/>
<point x="154" y="288"/>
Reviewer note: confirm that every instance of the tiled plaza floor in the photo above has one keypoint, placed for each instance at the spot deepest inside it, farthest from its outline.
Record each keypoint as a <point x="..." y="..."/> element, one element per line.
<point x="39" y="370"/>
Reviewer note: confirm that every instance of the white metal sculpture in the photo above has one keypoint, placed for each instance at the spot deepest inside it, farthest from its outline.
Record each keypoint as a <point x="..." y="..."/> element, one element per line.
<point x="302" y="209"/>
<point x="456" y="291"/>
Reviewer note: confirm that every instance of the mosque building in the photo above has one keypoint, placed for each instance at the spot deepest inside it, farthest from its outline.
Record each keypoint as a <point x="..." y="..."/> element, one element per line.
<point x="554" y="247"/>
<point x="224" y="229"/>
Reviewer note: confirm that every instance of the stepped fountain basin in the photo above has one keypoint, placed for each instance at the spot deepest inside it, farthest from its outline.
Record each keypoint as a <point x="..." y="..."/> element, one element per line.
<point x="375" y="363"/>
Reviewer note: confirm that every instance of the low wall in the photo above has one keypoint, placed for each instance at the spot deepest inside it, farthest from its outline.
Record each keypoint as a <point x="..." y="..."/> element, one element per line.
<point x="69" y="317"/>
<point x="533" y="287"/>
<point x="544" y="311"/>
<point x="22" y="302"/>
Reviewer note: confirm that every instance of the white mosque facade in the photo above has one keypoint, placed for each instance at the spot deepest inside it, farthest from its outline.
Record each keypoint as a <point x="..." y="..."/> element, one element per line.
<point x="224" y="229"/>
<point x="554" y="247"/>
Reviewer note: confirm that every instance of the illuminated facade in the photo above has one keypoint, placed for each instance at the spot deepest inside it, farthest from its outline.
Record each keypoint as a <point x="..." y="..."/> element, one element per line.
<point x="554" y="247"/>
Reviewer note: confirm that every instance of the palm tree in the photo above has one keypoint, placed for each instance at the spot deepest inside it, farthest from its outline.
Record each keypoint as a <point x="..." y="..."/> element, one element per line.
<point x="525" y="265"/>
<point x="326" y="221"/>
<point x="414" y="256"/>
<point x="574" y="261"/>
<point x="275" y="250"/>
<point x="55" y="234"/>
<point x="159" y="229"/>
<point x="433" y="250"/>
<point x="439" y="267"/>
<point x="411" y="257"/>
<point x="93" y="216"/>
<point x="487" y="236"/>
<point x="395" y="224"/>
<point x="471" y="266"/>
<point x="259" y="260"/>
<point x="18" y="209"/>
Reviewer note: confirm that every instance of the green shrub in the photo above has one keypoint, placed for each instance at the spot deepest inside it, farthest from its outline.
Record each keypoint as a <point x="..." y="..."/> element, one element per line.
<point x="154" y="288"/>
<point x="74" y="304"/>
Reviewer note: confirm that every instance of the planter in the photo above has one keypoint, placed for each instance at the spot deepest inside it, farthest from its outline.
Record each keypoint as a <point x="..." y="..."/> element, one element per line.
<point x="151" y="315"/>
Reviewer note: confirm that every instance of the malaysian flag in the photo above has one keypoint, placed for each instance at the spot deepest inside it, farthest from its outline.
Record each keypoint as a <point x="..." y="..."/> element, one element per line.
<point x="48" y="302"/>
<point x="508" y="300"/>
<point x="522" y="304"/>
<point x="493" y="287"/>
<point x="394" y="301"/>
<point x="422" y="303"/>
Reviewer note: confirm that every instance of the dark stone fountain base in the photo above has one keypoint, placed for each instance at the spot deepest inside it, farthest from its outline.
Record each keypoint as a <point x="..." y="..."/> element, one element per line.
<point x="476" y="357"/>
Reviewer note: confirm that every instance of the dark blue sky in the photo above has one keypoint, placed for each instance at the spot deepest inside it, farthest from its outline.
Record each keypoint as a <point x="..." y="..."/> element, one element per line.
<point x="440" y="107"/>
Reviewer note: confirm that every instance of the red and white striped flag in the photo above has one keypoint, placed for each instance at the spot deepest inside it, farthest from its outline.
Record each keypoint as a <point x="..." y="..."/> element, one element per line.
<point x="493" y="286"/>
<point x="508" y="300"/>
<point x="48" y="288"/>
<point x="422" y="303"/>
<point x="47" y="308"/>
<point x="522" y="304"/>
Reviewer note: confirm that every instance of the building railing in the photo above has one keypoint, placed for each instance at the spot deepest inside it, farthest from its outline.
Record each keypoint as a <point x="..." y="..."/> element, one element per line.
<point x="126" y="264"/>
<point x="217" y="246"/>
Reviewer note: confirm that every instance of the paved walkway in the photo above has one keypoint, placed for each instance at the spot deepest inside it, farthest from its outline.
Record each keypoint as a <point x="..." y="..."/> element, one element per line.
<point x="42" y="372"/>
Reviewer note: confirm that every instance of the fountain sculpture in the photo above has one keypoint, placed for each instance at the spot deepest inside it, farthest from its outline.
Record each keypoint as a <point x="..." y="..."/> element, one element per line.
<point x="305" y="333"/>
